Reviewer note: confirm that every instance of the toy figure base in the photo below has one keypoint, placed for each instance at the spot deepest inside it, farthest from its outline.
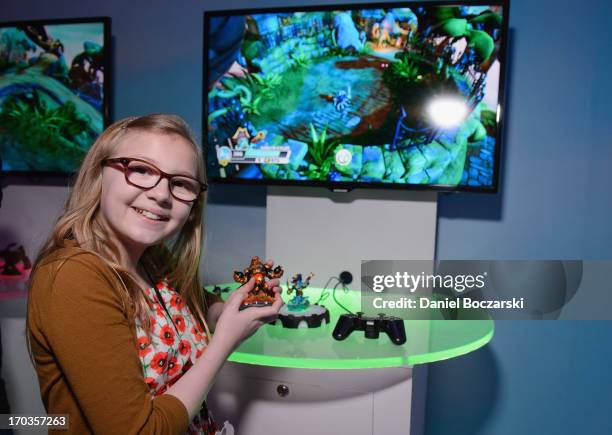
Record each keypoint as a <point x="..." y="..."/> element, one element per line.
<point x="298" y="304"/>
<point x="312" y="317"/>
<point x="255" y="304"/>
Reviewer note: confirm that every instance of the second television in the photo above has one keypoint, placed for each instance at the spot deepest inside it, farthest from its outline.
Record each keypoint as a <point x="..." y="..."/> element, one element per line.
<point x="402" y="95"/>
<point x="54" y="99"/>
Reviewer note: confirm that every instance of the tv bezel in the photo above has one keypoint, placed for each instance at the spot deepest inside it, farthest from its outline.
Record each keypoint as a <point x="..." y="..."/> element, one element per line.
<point x="106" y="21"/>
<point x="350" y="185"/>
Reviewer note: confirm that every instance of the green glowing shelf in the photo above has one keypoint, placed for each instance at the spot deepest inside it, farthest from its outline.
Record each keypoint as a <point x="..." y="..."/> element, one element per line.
<point x="427" y="341"/>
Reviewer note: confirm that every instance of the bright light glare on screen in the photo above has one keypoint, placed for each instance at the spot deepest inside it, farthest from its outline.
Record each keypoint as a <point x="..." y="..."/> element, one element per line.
<point x="447" y="112"/>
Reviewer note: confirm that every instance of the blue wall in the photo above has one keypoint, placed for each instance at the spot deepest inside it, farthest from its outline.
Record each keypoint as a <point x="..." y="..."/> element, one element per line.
<point x="539" y="377"/>
<point x="534" y="377"/>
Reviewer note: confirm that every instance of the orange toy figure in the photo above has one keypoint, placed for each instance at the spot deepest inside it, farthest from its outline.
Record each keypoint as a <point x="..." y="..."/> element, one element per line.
<point x="261" y="295"/>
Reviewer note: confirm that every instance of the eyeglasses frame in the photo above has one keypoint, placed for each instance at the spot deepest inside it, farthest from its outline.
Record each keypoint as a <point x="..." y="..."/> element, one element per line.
<point x="125" y="161"/>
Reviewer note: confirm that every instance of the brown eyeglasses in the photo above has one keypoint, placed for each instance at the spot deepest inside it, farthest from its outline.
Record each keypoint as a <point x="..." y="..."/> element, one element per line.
<point x="145" y="175"/>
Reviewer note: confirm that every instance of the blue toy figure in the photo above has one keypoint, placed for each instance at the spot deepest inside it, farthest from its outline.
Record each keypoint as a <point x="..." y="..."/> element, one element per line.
<point x="299" y="302"/>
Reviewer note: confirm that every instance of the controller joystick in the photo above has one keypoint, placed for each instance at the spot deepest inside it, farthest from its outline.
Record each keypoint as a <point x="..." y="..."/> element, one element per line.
<point x="371" y="326"/>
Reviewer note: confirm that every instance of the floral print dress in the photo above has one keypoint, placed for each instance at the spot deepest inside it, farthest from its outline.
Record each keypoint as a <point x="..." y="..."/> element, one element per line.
<point x="176" y="342"/>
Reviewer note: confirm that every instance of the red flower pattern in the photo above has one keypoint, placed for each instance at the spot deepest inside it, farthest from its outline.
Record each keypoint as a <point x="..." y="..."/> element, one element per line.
<point x="184" y="347"/>
<point x="173" y="366"/>
<point x="144" y="346"/>
<point x="159" y="361"/>
<point x="177" y="302"/>
<point x="151" y="383"/>
<point x="176" y="342"/>
<point x="196" y="335"/>
<point x="179" y="321"/>
<point x="167" y="335"/>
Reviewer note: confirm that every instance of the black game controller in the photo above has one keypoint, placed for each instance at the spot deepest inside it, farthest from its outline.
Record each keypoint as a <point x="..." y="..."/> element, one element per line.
<point x="393" y="326"/>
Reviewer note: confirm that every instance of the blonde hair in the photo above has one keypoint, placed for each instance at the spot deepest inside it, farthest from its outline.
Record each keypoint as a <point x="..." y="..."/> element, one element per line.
<point x="80" y="225"/>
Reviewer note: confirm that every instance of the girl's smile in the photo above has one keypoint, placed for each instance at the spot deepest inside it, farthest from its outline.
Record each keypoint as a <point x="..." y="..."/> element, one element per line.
<point x="151" y="216"/>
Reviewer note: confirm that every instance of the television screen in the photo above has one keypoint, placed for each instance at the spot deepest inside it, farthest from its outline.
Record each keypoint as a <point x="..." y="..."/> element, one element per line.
<point x="53" y="99"/>
<point x="396" y="95"/>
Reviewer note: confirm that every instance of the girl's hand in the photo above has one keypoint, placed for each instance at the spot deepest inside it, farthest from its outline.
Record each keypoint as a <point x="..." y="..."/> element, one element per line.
<point x="234" y="326"/>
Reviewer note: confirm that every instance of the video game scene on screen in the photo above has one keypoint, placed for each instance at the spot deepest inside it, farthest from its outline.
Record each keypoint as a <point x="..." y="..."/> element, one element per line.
<point x="51" y="94"/>
<point x="405" y="95"/>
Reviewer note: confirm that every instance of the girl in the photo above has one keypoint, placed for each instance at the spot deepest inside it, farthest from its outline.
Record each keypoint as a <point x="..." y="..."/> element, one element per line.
<point x="117" y="320"/>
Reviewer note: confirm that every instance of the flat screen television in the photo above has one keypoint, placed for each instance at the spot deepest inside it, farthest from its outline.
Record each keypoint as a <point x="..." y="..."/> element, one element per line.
<point x="54" y="98"/>
<point x="398" y="95"/>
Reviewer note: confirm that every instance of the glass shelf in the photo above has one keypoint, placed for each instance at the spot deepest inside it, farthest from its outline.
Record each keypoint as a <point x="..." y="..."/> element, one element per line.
<point x="315" y="348"/>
